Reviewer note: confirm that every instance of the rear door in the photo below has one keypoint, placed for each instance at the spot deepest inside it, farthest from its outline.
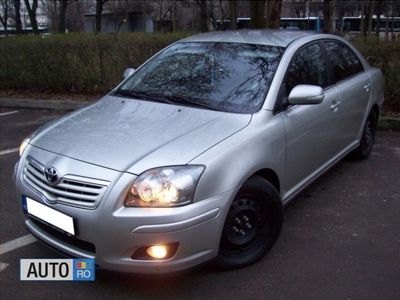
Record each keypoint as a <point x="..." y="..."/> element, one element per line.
<point x="312" y="130"/>
<point x="353" y="84"/>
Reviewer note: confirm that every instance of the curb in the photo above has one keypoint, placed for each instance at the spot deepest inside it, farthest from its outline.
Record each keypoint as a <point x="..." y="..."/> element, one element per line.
<point x="389" y="123"/>
<point x="42" y="104"/>
<point x="385" y="123"/>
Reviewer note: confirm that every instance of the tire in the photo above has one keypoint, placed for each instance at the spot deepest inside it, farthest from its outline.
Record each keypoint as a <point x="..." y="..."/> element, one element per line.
<point x="367" y="139"/>
<point x="252" y="225"/>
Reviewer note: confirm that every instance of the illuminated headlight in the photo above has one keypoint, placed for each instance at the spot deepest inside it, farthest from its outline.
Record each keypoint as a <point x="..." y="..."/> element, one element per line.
<point x="164" y="187"/>
<point x="23" y="145"/>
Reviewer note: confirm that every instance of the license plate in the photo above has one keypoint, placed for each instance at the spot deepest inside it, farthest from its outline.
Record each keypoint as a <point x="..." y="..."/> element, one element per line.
<point x="49" y="215"/>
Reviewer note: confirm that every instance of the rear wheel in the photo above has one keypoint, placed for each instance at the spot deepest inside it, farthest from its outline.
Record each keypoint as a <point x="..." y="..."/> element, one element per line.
<point x="252" y="225"/>
<point x="367" y="139"/>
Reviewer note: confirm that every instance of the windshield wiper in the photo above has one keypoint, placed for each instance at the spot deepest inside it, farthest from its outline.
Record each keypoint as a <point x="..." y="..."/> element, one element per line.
<point x="170" y="99"/>
<point x="189" y="101"/>
<point x="142" y="95"/>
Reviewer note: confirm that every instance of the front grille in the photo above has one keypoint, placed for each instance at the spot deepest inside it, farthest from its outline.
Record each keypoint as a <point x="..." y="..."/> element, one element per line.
<point x="70" y="240"/>
<point x="71" y="190"/>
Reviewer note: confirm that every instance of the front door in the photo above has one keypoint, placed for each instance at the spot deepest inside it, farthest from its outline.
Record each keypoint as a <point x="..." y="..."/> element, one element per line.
<point x="312" y="138"/>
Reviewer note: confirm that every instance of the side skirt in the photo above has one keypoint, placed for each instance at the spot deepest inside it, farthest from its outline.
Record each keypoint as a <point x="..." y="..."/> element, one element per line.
<point x="292" y="193"/>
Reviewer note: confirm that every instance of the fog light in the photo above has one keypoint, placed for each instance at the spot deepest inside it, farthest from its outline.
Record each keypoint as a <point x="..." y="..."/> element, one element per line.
<point x="157" y="251"/>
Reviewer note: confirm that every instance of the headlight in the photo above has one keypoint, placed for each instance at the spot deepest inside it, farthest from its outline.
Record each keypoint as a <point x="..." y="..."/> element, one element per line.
<point x="164" y="187"/>
<point x="23" y="145"/>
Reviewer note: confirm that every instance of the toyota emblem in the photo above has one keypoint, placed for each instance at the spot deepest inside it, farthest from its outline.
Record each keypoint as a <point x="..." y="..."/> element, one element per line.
<point x="51" y="175"/>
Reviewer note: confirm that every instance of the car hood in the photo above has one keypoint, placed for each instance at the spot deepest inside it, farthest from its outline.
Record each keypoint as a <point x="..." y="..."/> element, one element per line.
<point x="134" y="135"/>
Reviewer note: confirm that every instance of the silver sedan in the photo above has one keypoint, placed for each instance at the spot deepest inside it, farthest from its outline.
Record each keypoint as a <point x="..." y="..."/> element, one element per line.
<point x="193" y="156"/>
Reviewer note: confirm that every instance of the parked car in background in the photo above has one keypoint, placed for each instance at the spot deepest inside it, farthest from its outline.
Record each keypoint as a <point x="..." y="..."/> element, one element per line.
<point x="194" y="155"/>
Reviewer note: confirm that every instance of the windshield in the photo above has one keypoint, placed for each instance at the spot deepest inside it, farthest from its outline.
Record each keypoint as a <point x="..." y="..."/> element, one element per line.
<point x="232" y="77"/>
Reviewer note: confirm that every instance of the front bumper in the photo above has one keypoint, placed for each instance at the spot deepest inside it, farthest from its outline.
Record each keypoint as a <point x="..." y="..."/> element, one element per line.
<point x="111" y="233"/>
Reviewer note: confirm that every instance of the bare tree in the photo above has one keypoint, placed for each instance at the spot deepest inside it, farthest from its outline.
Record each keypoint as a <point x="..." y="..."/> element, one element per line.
<point x="203" y="16"/>
<point x="17" y="16"/>
<point x="274" y="14"/>
<point x="327" y="16"/>
<point x="392" y="22"/>
<point x="32" y="14"/>
<point x="387" y="22"/>
<point x="371" y="8"/>
<point x="165" y="16"/>
<point x="218" y="12"/>
<point x="257" y="11"/>
<point x="175" y="13"/>
<point x="378" y="17"/>
<point x="5" y="14"/>
<point x="56" y="11"/>
<point x="62" y="15"/>
<point x="74" y="19"/>
<point x="212" y="16"/>
<point x="232" y="15"/>
<point x="300" y="8"/>
<point x="340" y="11"/>
<point x="223" y="9"/>
<point x="362" y="21"/>
<point x="99" y="11"/>
<point x="50" y="8"/>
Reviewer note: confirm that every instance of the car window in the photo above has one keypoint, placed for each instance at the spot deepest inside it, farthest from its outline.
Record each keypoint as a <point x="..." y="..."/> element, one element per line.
<point x="344" y="62"/>
<point x="233" y="77"/>
<point x="307" y="67"/>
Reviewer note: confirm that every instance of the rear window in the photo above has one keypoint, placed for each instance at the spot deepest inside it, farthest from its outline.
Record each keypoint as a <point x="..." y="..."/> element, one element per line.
<point x="343" y="61"/>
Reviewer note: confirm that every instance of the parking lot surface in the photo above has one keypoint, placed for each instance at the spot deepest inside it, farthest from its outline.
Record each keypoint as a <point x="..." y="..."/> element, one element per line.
<point x="340" y="239"/>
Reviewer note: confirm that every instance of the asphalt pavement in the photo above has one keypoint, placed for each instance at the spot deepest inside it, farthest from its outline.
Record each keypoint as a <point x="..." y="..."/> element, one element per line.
<point x="340" y="239"/>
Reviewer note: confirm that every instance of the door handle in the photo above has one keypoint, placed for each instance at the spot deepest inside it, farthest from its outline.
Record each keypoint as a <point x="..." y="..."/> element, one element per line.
<point x="335" y="105"/>
<point x="367" y="86"/>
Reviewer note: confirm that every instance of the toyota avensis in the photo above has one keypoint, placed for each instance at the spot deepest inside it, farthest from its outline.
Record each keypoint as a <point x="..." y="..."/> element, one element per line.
<point x="193" y="156"/>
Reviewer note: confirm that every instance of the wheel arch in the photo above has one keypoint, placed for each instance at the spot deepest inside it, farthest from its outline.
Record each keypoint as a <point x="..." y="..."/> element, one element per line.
<point x="376" y="110"/>
<point x="271" y="176"/>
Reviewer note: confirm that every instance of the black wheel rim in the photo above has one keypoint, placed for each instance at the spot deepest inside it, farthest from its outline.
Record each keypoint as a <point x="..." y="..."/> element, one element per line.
<point x="369" y="136"/>
<point x="247" y="220"/>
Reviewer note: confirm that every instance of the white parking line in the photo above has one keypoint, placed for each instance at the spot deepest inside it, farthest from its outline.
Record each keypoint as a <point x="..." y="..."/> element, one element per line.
<point x="17" y="243"/>
<point x="8" y="151"/>
<point x="3" y="266"/>
<point x="8" y="113"/>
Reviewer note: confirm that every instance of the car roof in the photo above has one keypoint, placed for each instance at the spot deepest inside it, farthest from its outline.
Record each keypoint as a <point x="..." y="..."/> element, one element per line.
<point x="272" y="37"/>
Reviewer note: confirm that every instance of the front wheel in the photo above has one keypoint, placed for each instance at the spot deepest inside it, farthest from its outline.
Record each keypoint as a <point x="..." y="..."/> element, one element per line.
<point x="252" y="225"/>
<point x="367" y="139"/>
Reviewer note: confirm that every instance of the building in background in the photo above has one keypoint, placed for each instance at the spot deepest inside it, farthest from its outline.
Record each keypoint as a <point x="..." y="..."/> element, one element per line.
<point x="186" y="15"/>
<point x="131" y="21"/>
<point x="41" y="17"/>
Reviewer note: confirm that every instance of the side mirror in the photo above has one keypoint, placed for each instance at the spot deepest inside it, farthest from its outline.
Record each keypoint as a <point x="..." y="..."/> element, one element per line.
<point x="128" y="72"/>
<point x="306" y="94"/>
